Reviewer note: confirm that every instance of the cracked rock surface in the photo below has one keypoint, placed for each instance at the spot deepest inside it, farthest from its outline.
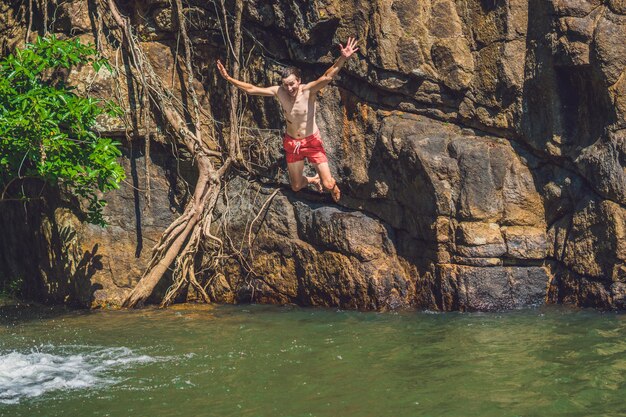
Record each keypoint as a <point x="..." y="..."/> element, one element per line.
<point x="480" y="147"/>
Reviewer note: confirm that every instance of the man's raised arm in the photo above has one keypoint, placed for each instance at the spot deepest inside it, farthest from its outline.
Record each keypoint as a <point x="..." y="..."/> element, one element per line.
<point x="324" y="80"/>
<point x="247" y="87"/>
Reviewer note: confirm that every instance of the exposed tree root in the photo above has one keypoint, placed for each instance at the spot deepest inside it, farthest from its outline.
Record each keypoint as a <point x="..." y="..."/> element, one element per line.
<point x="180" y="242"/>
<point x="30" y="20"/>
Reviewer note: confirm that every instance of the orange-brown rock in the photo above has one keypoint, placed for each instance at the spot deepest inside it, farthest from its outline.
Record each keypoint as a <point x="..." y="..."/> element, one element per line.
<point x="480" y="147"/>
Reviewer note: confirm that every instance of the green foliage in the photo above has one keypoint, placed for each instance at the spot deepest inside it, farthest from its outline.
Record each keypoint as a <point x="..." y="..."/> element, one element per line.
<point x="11" y="288"/>
<point x="46" y="130"/>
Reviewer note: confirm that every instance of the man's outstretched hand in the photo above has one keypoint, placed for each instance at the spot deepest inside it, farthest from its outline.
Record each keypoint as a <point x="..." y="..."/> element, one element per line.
<point x="349" y="49"/>
<point x="222" y="70"/>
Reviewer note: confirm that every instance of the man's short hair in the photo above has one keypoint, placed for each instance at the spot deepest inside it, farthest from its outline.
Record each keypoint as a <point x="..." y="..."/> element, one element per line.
<point x="286" y="72"/>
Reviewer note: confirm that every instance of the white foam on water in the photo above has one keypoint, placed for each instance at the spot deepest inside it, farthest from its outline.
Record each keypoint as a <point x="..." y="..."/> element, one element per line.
<point x="24" y="375"/>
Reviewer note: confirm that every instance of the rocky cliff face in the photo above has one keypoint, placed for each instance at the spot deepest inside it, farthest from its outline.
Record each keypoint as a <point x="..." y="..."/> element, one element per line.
<point x="480" y="146"/>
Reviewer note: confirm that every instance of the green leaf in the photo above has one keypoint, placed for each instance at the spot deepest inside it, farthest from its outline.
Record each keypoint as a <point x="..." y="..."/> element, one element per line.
<point x="47" y="117"/>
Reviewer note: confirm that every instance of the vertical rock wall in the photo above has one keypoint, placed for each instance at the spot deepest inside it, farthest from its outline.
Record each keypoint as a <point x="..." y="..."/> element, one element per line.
<point x="479" y="145"/>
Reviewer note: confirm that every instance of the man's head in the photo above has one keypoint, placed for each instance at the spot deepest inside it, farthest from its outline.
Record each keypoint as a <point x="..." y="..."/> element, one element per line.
<point x="291" y="80"/>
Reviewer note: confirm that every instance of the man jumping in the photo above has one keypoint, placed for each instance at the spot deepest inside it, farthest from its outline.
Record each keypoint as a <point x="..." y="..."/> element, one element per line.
<point x="302" y="139"/>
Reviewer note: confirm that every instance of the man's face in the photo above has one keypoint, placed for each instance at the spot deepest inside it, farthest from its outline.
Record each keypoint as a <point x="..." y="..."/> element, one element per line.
<point x="291" y="84"/>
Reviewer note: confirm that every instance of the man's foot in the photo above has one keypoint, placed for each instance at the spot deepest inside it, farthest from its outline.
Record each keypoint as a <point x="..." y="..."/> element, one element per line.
<point x="335" y="193"/>
<point x="316" y="182"/>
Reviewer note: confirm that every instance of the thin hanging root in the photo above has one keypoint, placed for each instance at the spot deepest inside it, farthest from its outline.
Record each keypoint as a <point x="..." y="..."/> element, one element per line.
<point x="182" y="27"/>
<point x="181" y="241"/>
<point x="207" y="233"/>
<point x="30" y="20"/>
<point x="261" y="210"/>
<point x="195" y="284"/>
<point x="234" y="148"/>
<point x="146" y="121"/>
<point x="44" y="9"/>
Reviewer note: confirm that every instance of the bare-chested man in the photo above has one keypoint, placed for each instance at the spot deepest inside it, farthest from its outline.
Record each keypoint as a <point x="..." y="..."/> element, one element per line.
<point x="302" y="139"/>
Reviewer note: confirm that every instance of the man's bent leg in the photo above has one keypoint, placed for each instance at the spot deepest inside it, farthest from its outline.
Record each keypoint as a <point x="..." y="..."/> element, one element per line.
<point x="328" y="181"/>
<point x="296" y="176"/>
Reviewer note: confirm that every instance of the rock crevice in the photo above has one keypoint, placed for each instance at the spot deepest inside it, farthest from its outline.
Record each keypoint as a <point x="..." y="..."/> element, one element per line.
<point x="480" y="147"/>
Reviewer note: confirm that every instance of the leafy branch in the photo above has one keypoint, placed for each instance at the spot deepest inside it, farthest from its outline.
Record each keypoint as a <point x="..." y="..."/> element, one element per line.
<point x="46" y="129"/>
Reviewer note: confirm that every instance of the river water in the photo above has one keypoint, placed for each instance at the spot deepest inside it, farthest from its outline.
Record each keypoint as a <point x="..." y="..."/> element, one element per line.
<point x="286" y="361"/>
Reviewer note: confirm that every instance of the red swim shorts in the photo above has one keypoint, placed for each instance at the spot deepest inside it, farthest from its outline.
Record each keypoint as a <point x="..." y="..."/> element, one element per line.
<point x="310" y="147"/>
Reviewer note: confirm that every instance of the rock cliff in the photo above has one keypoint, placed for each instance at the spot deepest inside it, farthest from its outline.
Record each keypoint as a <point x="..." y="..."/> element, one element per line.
<point x="480" y="146"/>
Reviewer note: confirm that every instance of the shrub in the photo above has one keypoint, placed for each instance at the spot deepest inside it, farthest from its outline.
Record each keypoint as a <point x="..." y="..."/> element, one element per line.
<point x="46" y="130"/>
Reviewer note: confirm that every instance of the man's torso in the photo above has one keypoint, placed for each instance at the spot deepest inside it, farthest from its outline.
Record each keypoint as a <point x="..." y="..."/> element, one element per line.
<point x="299" y="113"/>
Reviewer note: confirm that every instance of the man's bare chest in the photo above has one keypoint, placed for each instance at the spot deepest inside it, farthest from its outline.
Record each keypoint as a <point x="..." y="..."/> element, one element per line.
<point x="298" y="109"/>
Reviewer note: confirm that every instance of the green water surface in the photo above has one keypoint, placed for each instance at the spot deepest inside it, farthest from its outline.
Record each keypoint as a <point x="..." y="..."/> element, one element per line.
<point x="286" y="361"/>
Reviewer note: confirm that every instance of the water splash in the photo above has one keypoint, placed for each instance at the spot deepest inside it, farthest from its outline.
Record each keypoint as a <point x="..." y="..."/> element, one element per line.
<point x="24" y="375"/>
